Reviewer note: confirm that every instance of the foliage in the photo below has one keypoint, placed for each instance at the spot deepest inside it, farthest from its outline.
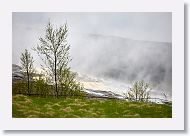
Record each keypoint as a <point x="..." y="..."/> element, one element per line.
<point x="54" y="51"/>
<point x="37" y="87"/>
<point x="38" y="107"/>
<point x="41" y="88"/>
<point x="19" y="87"/>
<point x="68" y="85"/>
<point x="27" y="67"/>
<point x="139" y="92"/>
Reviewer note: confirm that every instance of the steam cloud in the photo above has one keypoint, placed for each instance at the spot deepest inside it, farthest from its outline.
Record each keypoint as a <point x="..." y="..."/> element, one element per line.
<point x="96" y="53"/>
<point x="125" y="60"/>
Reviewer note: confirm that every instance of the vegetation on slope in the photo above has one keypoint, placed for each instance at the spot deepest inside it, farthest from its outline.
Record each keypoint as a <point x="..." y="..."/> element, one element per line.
<point x="37" y="107"/>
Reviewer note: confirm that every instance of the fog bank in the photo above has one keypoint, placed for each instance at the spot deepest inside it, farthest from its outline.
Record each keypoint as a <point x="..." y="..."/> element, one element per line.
<point x="124" y="60"/>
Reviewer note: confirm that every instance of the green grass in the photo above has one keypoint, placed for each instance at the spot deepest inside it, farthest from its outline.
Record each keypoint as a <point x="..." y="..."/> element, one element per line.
<point x="37" y="107"/>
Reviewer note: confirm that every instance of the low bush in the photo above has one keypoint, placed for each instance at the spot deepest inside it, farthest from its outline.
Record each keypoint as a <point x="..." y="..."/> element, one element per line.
<point x="140" y="91"/>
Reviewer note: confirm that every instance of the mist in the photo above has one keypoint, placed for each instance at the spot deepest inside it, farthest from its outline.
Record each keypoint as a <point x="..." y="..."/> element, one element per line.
<point x="123" y="47"/>
<point x="125" y="60"/>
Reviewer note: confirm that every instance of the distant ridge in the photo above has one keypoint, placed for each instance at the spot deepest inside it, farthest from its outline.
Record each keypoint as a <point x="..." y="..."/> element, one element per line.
<point x="123" y="38"/>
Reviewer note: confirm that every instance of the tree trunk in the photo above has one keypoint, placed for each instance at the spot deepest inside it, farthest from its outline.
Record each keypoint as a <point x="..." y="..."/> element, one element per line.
<point x="28" y="83"/>
<point x="56" y="76"/>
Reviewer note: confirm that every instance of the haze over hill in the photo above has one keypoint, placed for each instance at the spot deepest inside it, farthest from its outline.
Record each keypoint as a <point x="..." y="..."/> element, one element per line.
<point x="124" y="60"/>
<point x="113" y="63"/>
<point x="113" y="50"/>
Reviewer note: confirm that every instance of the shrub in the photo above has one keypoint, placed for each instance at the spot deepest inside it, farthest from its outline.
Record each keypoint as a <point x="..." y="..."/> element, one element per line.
<point x="40" y="87"/>
<point x="140" y="91"/>
<point x="68" y="86"/>
<point x="19" y="87"/>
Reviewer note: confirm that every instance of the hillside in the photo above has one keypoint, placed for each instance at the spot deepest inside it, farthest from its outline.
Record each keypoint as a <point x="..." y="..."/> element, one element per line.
<point x="124" y="60"/>
<point x="37" y="107"/>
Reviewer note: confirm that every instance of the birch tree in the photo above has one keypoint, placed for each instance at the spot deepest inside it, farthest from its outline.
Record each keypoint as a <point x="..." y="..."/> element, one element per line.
<point x="26" y="60"/>
<point x="54" y="51"/>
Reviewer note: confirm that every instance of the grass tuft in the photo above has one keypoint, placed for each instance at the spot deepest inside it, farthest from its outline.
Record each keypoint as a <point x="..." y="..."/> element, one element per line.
<point x="36" y="107"/>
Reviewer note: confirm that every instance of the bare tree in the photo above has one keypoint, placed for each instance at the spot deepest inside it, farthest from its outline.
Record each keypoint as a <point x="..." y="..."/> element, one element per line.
<point x="27" y="66"/>
<point x="165" y="95"/>
<point x="139" y="92"/>
<point x="54" y="51"/>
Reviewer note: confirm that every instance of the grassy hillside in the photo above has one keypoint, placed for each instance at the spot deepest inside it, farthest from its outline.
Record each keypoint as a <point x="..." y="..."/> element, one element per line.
<point x="36" y="107"/>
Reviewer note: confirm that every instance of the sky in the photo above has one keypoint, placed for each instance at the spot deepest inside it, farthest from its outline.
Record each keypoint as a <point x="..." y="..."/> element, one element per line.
<point x="152" y="26"/>
<point x="126" y="46"/>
